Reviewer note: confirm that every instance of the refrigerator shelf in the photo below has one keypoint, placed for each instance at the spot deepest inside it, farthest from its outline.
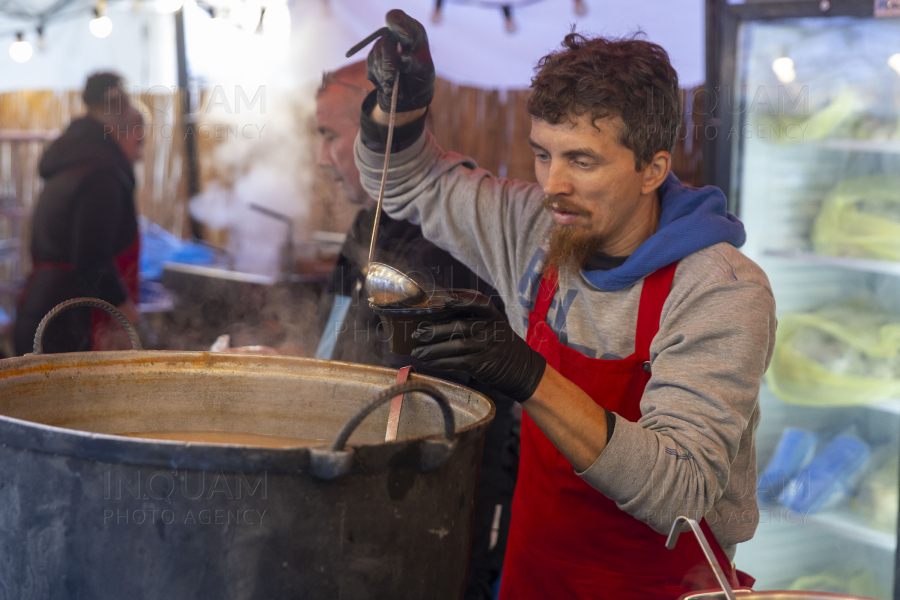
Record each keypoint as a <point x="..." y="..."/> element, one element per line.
<point x="851" y="525"/>
<point x="891" y="406"/>
<point x="857" y="264"/>
<point x="849" y="145"/>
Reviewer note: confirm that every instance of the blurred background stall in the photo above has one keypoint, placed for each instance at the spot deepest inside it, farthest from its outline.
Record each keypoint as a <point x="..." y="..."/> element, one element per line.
<point x="227" y="91"/>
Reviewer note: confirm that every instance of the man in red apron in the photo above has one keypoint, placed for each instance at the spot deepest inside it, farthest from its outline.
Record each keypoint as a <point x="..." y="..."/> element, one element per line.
<point x="84" y="239"/>
<point x="637" y="333"/>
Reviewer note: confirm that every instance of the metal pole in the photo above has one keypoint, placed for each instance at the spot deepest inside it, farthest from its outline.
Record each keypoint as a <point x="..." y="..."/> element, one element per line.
<point x="190" y="139"/>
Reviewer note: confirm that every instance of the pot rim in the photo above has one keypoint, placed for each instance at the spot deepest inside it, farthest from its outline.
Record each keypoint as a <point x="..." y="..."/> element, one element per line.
<point x="206" y="456"/>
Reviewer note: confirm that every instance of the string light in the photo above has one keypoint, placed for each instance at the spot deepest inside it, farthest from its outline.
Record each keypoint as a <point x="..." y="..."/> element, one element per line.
<point x="276" y="21"/>
<point x="259" y="25"/>
<point x="169" y="6"/>
<point x="894" y="62"/>
<point x="436" y="16"/>
<point x="100" y="25"/>
<point x="20" y="50"/>
<point x="784" y="69"/>
<point x="272" y="20"/>
<point x="507" y="16"/>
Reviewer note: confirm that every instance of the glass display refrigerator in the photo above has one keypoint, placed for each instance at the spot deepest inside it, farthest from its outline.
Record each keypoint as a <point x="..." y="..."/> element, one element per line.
<point x="802" y="131"/>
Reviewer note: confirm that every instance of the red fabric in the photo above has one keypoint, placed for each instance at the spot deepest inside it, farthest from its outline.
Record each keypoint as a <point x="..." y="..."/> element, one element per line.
<point x="567" y="540"/>
<point x="129" y="263"/>
<point x="104" y="327"/>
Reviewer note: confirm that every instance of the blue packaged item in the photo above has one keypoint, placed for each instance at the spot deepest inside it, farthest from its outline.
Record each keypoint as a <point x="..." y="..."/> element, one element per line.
<point x="795" y="449"/>
<point x="830" y="477"/>
<point x="158" y="247"/>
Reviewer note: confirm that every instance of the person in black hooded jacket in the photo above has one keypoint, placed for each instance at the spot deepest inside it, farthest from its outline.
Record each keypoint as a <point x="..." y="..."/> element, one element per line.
<point x="84" y="227"/>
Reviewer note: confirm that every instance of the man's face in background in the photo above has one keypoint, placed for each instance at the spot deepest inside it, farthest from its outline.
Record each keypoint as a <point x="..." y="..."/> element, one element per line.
<point x="337" y="118"/>
<point x="132" y="141"/>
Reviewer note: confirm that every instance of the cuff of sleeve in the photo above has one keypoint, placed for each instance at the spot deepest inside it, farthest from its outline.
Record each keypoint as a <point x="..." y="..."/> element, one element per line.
<point x="374" y="136"/>
<point x="610" y="424"/>
<point x="624" y="454"/>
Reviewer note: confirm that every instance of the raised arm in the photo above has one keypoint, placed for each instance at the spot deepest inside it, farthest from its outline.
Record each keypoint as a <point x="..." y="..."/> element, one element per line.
<point x="465" y="210"/>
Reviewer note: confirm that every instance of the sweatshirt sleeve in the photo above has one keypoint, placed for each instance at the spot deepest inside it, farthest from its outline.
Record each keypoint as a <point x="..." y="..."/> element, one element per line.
<point x="97" y="212"/>
<point x="461" y="208"/>
<point x="697" y="410"/>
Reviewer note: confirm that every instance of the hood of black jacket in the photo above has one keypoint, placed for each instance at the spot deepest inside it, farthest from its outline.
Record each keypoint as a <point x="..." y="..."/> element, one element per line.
<point x="85" y="143"/>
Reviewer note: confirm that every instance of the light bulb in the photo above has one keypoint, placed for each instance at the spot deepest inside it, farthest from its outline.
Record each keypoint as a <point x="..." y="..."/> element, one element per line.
<point x="169" y="6"/>
<point x="20" y="50"/>
<point x="894" y="62"/>
<point x="784" y="69"/>
<point x="101" y="26"/>
<point x="436" y="16"/>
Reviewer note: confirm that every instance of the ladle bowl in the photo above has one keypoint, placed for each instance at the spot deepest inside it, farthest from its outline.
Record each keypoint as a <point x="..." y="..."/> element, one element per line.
<point x="387" y="286"/>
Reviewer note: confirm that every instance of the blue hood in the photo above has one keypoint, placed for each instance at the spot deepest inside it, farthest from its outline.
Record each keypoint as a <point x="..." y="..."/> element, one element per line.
<point x="692" y="219"/>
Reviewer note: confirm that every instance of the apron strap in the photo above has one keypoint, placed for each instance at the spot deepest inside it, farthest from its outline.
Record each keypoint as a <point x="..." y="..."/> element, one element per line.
<point x="545" y="293"/>
<point x="653" y="296"/>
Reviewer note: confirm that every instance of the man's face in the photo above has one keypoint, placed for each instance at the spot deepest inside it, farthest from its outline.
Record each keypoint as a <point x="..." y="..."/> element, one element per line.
<point x="133" y="145"/>
<point x="337" y="117"/>
<point x="598" y="201"/>
<point x="131" y="141"/>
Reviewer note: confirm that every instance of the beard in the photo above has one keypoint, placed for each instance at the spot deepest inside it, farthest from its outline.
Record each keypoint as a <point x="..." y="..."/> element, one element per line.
<point x="569" y="247"/>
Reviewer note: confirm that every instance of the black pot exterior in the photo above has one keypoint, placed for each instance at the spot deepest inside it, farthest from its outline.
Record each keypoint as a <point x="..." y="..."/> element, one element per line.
<point x="98" y="516"/>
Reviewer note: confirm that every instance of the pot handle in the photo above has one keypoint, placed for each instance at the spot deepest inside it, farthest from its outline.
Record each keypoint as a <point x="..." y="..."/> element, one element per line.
<point x="92" y="302"/>
<point x="330" y="463"/>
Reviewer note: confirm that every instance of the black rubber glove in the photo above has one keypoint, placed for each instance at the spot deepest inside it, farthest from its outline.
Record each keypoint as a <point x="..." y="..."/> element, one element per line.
<point x="414" y="60"/>
<point x="483" y="345"/>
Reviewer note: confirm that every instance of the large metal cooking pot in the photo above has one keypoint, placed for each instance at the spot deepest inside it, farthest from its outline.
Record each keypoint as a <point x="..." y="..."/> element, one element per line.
<point x="87" y="513"/>
<point x="683" y="524"/>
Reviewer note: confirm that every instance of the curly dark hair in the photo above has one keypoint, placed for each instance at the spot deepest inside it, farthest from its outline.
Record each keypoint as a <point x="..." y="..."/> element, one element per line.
<point x="629" y="78"/>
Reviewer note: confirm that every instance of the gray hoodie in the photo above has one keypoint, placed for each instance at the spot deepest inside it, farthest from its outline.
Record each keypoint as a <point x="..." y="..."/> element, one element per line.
<point x="693" y="450"/>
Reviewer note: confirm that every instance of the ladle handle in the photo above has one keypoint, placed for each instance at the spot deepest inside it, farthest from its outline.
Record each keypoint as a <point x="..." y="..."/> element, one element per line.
<point x="387" y="158"/>
<point x="93" y="302"/>
<point x="683" y="523"/>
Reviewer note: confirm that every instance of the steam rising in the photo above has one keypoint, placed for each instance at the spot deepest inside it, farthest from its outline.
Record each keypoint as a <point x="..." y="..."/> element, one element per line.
<point x="271" y="164"/>
<point x="259" y="145"/>
<point x="272" y="159"/>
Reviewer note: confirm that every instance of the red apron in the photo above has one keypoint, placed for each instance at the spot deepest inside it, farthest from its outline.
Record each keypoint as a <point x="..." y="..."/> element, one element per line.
<point x="106" y="331"/>
<point x="566" y="539"/>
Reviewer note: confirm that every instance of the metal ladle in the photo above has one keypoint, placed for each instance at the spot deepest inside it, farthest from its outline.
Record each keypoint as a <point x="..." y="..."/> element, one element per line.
<point x="384" y="284"/>
<point x="387" y="285"/>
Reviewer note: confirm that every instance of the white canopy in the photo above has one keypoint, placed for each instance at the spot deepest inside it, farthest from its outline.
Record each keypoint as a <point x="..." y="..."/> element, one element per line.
<point x="470" y="45"/>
